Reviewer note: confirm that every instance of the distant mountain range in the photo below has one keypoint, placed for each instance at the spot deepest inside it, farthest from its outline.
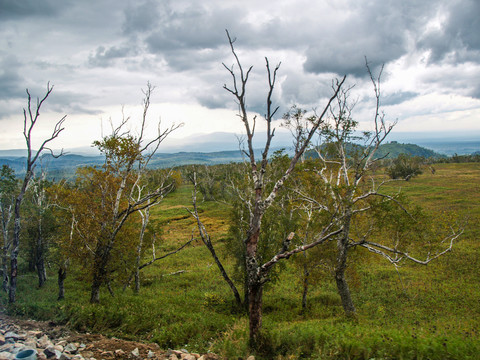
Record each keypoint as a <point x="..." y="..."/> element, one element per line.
<point x="66" y="165"/>
<point x="216" y="148"/>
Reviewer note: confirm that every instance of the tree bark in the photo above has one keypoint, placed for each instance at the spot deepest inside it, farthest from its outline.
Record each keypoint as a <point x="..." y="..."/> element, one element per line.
<point x="12" y="290"/>
<point x="40" y="262"/>
<point x="5" y="269"/>
<point x="342" y="285"/>
<point x="101" y="260"/>
<point x="255" y="311"/>
<point x="62" y="275"/>
<point x="306" y="274"/>
<point x="95" y="290"/>
<point x="42" y="272"/>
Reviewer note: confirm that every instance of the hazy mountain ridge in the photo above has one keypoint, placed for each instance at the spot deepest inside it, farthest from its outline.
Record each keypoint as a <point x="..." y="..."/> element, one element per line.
<point x="67" y="164"/>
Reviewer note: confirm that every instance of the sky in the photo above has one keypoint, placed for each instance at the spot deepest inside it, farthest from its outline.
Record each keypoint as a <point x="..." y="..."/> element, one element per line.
<point x="100" y="54"/>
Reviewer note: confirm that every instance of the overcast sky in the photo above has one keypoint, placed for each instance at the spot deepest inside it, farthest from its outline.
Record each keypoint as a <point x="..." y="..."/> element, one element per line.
<point x="99" y="54"/>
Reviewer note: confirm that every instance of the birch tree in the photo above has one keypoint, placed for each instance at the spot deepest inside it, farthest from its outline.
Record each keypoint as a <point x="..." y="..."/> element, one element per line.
<point x="30" y="119"/>
<point x="8" y="187"/>
<point x="349" y="188"/>
<point x="113" y="193"/>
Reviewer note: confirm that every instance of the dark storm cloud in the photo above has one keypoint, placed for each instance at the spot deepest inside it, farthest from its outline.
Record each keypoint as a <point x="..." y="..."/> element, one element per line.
<point x="457" y="39"/>
<point x="142" y="17"/>
<point x="17" y="9"/>
<point x="377" y="30"/>
<point x="192" y="29"/>
<point x="10" y="78"/>
<point x="398" y="97"/>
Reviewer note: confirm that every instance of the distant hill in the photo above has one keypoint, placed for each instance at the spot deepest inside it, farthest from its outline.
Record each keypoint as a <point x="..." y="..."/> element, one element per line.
<point x="392" y="149"/>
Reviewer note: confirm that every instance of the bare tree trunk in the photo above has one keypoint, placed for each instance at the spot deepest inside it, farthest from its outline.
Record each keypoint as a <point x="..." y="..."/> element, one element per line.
<point x="109" y="287"/>
<point x="99" y="272"/>
<point x="95" y="289"/>
<point x="208" y="243"/>
<point x="342" y="285"/>
<point x="255" y="311"/>
<point x="224" y="274"/>
<point x="42" y="272"/>
<point x="40" y="262"/>
<point x="12" y="290"/>
<point x="145" y="219"/>
<point x="62" y="275"/>
<point x="5" y="269"/>
<point x="306" y="274"/>
<point x="6" y="212"/>
<point x="255" y="286"/>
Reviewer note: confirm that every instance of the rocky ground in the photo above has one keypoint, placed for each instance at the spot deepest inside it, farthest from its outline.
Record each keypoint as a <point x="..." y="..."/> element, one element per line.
<point x="54" y="342"/>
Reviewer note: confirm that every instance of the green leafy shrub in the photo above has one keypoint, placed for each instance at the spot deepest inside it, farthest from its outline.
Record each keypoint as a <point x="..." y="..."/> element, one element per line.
<point x="405" y="167"/>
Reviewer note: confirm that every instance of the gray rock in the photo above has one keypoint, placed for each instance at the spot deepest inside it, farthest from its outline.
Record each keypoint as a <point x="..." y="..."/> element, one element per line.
<point x="44" y="342"/>
<point x="6" y="348"/>
<point x="136" y="352"/>
<point x="14" y="336"/>
<point x="119" y="352"/>
<point x="70" y="348"/>
<point x="31" y="343"/>
<point x="188" y="357"/>
<point x="7" y="355"/>
<point x="51" y="352"/>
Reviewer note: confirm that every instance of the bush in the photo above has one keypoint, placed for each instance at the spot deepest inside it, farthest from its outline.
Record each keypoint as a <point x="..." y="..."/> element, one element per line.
<point x="405" y="167"/>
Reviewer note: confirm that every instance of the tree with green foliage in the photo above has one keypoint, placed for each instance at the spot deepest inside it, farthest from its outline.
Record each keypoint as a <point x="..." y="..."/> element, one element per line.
<point x="40" y="226"/>
<point x="104" y="199"/>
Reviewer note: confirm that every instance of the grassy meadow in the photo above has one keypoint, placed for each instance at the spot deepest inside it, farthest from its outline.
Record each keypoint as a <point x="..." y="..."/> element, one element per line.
<point x="413" y="312"/>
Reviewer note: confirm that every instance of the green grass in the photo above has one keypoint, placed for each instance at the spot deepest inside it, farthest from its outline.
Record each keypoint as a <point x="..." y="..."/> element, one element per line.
<point x="418" y="312"/>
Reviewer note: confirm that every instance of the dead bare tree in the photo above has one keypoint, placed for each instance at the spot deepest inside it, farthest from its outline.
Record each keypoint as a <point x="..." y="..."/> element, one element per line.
<point x="257" y="270"/>
<point x="31" y="116"/>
